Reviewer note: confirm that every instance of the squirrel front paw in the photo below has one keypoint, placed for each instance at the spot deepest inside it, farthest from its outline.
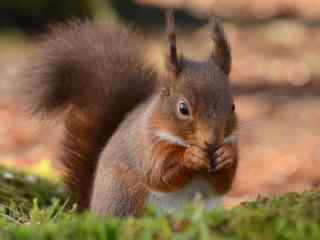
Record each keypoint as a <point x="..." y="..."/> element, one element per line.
<point x="196" y="158"/>
<point x="222" y="157"/>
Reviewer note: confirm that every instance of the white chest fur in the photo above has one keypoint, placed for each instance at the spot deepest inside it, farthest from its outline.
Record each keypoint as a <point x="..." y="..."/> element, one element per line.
<point x="168" y="202"/>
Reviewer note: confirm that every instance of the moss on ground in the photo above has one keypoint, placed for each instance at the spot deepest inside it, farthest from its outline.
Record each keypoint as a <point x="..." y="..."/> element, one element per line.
<point x="292" y="216"/>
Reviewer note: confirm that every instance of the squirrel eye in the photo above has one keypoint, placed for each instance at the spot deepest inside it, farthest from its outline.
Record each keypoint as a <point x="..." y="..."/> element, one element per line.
<point x="233" y="108"/>
<point x="184" y="109"/>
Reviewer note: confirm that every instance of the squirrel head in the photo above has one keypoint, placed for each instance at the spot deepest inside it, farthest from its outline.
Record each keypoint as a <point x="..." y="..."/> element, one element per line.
<point x="196" y="106"/>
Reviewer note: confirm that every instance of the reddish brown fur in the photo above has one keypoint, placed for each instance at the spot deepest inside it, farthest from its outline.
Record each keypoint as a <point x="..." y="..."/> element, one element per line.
<point x="168" y="171"/>
<point x="74" y="68"/>
<point x="112" y="156"/>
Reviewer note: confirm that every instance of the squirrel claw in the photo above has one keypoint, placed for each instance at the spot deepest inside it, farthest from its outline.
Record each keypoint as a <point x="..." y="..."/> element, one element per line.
<point x="222" y="157"/>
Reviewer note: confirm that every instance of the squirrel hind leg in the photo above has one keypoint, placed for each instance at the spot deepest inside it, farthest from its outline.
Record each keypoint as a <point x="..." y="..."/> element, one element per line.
<point x="114" y="193"/>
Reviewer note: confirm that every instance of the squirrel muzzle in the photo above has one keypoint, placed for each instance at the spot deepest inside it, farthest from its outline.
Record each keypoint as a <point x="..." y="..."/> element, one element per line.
<point x="210" y="135"/>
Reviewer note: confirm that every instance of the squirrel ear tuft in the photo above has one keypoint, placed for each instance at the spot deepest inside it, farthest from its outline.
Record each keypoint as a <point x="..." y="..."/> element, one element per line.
<point x="222" y="53"/>
<point x="173" y="62"/>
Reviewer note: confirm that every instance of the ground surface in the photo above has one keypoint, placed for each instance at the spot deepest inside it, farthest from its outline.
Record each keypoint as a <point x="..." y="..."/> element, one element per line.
<point x="254" y="9"/>
<point x="289" y="217"/>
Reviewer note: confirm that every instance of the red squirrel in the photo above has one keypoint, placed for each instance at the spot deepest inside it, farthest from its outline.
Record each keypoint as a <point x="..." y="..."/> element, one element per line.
<point x="132" y="136"/>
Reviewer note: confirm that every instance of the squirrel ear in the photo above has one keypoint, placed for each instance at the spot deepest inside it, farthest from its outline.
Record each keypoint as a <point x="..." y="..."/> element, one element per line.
<point x="173" y="62"/>
<point x="222" y="53"/>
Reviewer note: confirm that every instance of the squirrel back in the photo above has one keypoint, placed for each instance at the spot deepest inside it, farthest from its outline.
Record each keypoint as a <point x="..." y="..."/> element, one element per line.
<point x="95" y="74"/>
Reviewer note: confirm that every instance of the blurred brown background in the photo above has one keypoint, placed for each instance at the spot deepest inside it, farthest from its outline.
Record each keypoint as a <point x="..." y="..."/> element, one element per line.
<point x="275" y="78"/>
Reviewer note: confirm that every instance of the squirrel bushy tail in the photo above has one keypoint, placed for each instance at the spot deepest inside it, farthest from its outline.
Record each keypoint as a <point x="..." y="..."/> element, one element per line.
<point x="95" y="74"/>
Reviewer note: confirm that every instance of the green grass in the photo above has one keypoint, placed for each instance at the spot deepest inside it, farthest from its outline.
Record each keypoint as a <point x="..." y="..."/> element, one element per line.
<point x="292" y="216"/>
<point x="21" y="189"/>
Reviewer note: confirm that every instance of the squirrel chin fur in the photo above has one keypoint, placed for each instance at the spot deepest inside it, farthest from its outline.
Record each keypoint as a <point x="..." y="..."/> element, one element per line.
<point x="132" y="136"/>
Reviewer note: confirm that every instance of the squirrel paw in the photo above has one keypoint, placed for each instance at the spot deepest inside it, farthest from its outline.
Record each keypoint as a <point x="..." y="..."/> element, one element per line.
<point x="224" y="156"/>
<point x="196" y="158"/>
